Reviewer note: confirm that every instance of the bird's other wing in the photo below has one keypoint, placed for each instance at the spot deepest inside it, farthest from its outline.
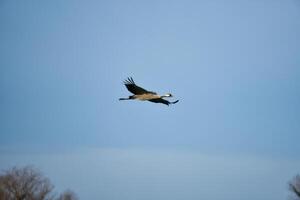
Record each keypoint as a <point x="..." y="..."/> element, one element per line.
<point x="133" y="88"/>
<point x="160" y="100"/>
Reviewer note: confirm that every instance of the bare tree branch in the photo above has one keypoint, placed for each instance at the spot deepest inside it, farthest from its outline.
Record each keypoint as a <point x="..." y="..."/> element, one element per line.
<point x="28" y="183"/>
<point x="294" y="186"/>
<point x="25" y="183"/>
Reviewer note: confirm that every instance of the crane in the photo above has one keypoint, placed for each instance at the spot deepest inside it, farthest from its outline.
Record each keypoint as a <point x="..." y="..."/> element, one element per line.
<point x="140" y="93"/>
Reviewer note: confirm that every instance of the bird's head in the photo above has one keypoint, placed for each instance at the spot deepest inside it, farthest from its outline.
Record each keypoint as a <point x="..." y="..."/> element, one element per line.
<point x="168" y="95"/>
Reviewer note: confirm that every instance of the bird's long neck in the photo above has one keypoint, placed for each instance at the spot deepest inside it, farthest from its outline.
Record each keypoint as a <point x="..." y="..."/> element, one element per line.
<point x="166" y="95"/>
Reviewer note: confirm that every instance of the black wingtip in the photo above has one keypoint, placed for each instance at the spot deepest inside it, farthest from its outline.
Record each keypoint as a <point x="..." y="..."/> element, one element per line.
<point x="129" y="81"/>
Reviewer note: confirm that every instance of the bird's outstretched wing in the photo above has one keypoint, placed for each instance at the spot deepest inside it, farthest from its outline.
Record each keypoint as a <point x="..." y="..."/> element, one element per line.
<point x="133" y="88"/>
<point x="160" y="100"/>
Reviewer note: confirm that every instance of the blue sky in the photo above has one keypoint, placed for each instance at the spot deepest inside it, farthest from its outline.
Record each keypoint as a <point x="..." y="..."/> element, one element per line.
<point x="234" y="66"/>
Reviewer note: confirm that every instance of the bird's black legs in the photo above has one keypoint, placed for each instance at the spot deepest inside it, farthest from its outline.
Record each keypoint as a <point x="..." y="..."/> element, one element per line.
<point x="124" y="99"/>
<point x="129" y="98"/>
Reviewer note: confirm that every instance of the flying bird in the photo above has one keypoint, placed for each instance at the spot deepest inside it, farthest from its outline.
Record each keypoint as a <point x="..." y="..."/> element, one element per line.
<point x="145" y="95"/>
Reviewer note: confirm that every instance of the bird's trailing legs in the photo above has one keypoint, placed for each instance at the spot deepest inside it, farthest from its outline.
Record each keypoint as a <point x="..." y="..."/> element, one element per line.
<point x="129" y="98"/>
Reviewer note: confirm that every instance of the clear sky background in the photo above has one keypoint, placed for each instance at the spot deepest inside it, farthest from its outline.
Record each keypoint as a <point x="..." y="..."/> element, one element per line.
<point x="234" y="66"/>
